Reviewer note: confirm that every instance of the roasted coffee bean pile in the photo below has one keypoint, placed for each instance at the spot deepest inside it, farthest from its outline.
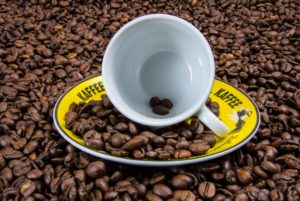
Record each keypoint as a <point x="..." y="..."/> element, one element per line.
<point x="103" y="128"/>
<point x="160" y="107"/>
<point x="47" y="46"/>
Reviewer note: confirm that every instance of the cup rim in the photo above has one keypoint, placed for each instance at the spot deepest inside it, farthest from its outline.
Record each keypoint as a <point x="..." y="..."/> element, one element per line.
<point x="116" y="98"/>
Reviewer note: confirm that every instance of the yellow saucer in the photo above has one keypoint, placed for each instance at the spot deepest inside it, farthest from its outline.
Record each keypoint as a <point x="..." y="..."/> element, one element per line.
<point x="237" y="110"/>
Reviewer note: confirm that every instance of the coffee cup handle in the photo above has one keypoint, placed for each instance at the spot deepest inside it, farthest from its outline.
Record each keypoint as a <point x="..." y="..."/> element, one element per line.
<point x="213" y="122"/>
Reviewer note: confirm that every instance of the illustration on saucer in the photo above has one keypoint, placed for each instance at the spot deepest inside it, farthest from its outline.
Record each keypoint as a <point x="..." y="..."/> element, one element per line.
<point x="240" y="117"/>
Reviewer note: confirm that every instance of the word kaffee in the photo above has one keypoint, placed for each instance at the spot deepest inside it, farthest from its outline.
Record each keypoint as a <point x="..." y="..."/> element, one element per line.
<point x="91" y="90"/>
<point x="228" y="97"/>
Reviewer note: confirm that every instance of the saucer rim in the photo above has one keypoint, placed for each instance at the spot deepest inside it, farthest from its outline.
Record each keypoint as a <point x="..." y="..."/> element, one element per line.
<point x="151" y="163"/>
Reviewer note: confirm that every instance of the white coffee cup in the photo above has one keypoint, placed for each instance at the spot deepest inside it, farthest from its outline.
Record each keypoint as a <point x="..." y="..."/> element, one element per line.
<point x="165" y="56"/>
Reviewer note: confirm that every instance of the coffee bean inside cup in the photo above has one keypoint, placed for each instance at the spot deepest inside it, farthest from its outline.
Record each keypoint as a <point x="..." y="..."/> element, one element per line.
<point x="160" y="107"/>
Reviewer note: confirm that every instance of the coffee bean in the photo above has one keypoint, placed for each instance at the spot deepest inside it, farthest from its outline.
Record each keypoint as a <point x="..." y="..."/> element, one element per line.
<point x="138" y="154"/>
<point x="199" y="129"/>
<point x="244" y="176"/>
<point x="163" y="155"/>
<point x="122" y="186"/>
<point x="241" y="197"/>
<point x="276" y="195"/>
<point x="160" y="110"/>
<point x="34" y="174"/>
<point x="27" y="188"/>
<point x="170" y="134"/>
<point x="162" y="191"/>
<point x="95" y="169"/>
<point x="148" y="134"/>
<point x="116" y="176"/>
<point x="169" y="149"/>
<point x="132" y="192"/>
<point x="167" y="103"/>
<point x="30" y="147"/>
<point x="81" y="160"/>
<point x="194" y="124"/>
<point x="270" y="167"/>
<point x="60" y="73"/>
<point x="207" y="190"/>
<point x="102" y="184"/>
<point x="95" y="195"/>
<point x="71" y="117"/>
<point x="199" y="147"/>
<point x="136" y="142"/>
<point x="20" y="143"/>
<point x="93" y="139"/>
<point x="209" y="138"/>
<point x="3" y="106"/>
<point x="10" y="153"/>
<point x="105" y="101"/>
<point x="119" y="152"/>
<point x="132" y="128"/>
<point x="263" y="194"/>
<point x="218" y="176"/>
<point x="171" y="142"/>
<point x="121" y="127"/>
<point x="187" y="134"/>
<point x="182" y="145"/>
<point x="118" y="140"/>
<point x="67" y="184"/>
<point x="20" y="43"/>
<point x="260" y="172"/>
<point x="8" y="90"/>
<point x="184" y="195"/>
<point x="141" y="188"/>
<point x="208" y="167"/>
<point x="111" y="195"/>
<point x="230" y="176"/>
<point x="182" y="181"/>
<point x="61" y="60"/>
<point x="182" y="154"/>
<point x="157" y="178"/>
<point x="7" y="174"/>
<point x="154" y="101"/>
<point x="158" y="141"/>
<point x="95" y="143"/>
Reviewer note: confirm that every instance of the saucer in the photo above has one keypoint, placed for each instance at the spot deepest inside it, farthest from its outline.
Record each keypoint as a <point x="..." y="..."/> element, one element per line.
<point x="237" y="110"/>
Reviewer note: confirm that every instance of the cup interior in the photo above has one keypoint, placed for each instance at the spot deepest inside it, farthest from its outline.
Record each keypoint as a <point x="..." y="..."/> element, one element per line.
<point x="158" y="55"/>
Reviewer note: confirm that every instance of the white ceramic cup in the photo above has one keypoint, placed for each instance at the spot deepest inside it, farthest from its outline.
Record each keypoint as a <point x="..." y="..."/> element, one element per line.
<point x="165" y="56"/>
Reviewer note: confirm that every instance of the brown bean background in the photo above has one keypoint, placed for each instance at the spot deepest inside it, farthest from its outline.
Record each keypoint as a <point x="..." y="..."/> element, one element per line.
<point x="47" y="46"/>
